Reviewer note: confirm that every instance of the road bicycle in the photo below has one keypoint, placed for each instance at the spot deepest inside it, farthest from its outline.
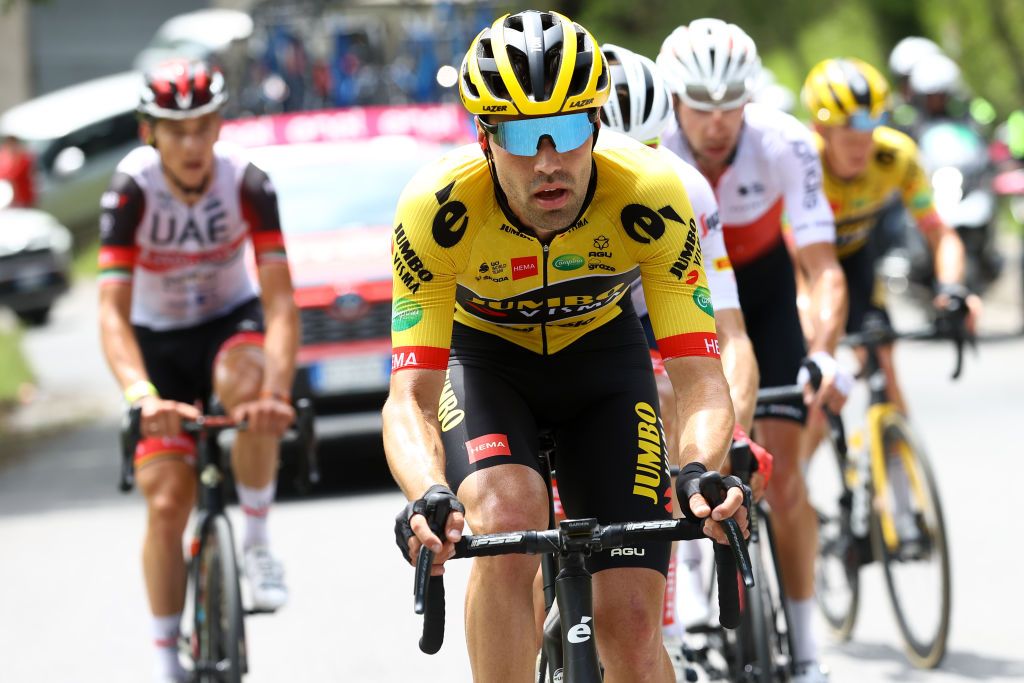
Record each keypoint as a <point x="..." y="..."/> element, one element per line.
<point x="216" y="644"/>
<point x="569" y="654"/>
<point x="760" y="649"/>
<point x="888" y="510"/>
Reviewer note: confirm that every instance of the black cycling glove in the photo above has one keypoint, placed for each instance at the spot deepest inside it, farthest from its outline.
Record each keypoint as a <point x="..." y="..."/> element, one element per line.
<point x="695" y="478"/>
<point x="436" y="504"/>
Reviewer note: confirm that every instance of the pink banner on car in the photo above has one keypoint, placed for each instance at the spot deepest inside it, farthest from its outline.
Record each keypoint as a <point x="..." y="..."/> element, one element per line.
<point x="431" y="122"/>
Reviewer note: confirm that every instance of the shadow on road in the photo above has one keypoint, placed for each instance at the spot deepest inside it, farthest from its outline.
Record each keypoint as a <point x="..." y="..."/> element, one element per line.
<point x="966" y="664"/>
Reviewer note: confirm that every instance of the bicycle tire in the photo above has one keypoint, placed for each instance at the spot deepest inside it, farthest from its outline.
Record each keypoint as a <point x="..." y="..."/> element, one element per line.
<point x="756" y="636"/>
<point x="784" y="643"/>
<point x="924" y="653"/>
<point x="837" y="566"/>
<point x="219" y="647"/>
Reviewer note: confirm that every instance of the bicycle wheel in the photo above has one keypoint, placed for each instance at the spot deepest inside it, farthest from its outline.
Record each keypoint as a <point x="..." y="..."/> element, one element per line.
<point x="837" y="569"/>
<point x="762" y="646"/>
<point x="909" y="537"/>
<point x="218" y="634"/>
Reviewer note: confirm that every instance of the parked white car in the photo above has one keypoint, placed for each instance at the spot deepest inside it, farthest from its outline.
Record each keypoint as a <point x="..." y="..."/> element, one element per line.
<point x="35" y="260"/>
<point x="78" y="135"/>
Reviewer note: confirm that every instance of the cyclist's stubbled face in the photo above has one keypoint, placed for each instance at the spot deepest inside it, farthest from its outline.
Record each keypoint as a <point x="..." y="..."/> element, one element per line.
<point x="186" y="147"/>
<point x="547" y="190"/>
<point x="712" y="135"/>
<point x="847" y="151"/>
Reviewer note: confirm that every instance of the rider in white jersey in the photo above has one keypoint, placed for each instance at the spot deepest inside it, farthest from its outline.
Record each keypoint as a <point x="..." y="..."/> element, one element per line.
<point x="190" y="260"/>
<point x="641" y="107"/>
<point x="181" y="319"/>
<point x="762" y="162"/>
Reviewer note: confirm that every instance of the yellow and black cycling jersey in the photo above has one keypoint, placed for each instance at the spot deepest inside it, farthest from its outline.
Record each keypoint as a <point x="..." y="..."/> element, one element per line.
<point x="893" y="168"/>
<point x="457" y="247"/>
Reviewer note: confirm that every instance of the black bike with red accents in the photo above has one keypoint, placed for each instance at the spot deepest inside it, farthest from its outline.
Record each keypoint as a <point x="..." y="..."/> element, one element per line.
<point x="216" y="644"/>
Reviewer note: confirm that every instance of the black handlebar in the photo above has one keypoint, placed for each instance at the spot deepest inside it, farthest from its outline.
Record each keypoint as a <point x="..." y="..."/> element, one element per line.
<point x="950" y="324"/>
<point x="131" y="433"/>
<point x="586" y="536"/>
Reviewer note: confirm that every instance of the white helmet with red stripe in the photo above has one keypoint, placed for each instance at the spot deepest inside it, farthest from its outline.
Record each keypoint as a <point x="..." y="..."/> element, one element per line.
<point x="182" y="89"/>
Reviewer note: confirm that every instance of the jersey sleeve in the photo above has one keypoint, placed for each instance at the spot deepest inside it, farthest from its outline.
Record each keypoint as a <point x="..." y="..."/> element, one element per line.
<point x="717" y="268"/>
<point x="797" y="161"/>
<point x="429" y="223"/>
<point x="916" y="190"/>
<point x="662" y="230"/>
<point x="259" y="208"/>
<point x="121" y="209"/>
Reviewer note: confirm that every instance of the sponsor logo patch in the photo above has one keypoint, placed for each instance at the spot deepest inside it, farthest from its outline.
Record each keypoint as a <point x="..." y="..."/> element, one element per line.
<point x="702" y="297"/>
<point x="487" y="446"/>
<point x="568" y="262"/>
<point x="524" y="266"/>
<point x="405" y="314"/>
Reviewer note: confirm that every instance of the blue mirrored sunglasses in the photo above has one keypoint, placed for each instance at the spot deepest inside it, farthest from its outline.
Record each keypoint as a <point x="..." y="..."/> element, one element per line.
<point x="863" y="120"/>
<point x="522" y="136"/>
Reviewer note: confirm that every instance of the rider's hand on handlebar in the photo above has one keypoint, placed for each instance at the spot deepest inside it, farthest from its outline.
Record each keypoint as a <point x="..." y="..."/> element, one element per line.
<point x="696" y="506"/>
<point x="836" y="383"/>
<point x="944" y="303"/>
<point x="267" y="414"/>
<point x="161" y="417"/>
<point x="412" y="528"/>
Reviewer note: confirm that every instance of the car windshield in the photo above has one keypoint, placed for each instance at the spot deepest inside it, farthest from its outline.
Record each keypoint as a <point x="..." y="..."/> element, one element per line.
<point x="351" y="189"/>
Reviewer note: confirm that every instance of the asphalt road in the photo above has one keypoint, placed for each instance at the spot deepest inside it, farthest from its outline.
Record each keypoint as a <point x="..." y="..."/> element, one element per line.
<point x="72" y="607"/>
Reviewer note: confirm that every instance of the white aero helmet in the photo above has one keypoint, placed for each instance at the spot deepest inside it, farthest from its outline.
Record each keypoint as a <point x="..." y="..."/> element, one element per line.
<point x="908" y="52"/>
<point x="934" y="74"/>
<point x="640" y="104"/>
<point x="710" y="64"/>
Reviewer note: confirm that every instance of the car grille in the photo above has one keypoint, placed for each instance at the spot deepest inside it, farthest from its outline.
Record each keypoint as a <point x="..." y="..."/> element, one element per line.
<point x="320" y="327"/>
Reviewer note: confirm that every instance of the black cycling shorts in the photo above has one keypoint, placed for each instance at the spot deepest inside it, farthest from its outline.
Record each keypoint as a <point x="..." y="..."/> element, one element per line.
<point x="180" y="362"/>
<point x="598" y="398"/>
<point x="866" y="293"/>
<point x="767" y="289"/>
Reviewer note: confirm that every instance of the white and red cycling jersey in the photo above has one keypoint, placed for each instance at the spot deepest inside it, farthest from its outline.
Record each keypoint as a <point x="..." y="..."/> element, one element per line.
<point x="187" y="263"/>
<point x="775" y="167"/>
<point x="721" y="281"/>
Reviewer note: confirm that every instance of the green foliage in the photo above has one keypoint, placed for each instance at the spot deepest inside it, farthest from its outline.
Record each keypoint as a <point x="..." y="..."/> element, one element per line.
<point x="14" y="369"/>
<point x="986" y="37"/>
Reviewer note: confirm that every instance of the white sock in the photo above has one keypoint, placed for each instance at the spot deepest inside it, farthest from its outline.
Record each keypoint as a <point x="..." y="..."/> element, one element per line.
<point x="801" y="620"/>
<point x="165" y="638"/>
<point x="255" y="504"/>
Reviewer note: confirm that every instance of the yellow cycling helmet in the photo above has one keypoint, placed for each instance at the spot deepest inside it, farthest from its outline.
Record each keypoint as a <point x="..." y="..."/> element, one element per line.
<point x="848" y="91"/>
<point x="533" y="63"/>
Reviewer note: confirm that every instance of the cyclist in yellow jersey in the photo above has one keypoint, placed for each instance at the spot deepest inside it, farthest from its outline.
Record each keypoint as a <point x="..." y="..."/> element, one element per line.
<point x="865" y="163"/>
<point x="532" y="238"/>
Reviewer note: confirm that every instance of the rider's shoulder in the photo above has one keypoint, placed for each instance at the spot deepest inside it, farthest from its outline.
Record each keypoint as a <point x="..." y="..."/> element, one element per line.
<point x="459" y="172"/>
<point x="139" y="160"/>
<point x="774" y="125"/>
<point x="894" y="142"/>
<point x="624" y="163"/>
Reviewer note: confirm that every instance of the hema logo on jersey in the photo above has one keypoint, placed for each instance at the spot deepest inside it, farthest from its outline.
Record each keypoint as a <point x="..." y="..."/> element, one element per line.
<point x="525" y="266"/>
<point x="487" y="446"/>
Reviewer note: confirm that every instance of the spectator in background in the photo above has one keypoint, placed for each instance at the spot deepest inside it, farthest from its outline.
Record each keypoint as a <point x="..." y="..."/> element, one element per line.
<point x="17" y="166"/>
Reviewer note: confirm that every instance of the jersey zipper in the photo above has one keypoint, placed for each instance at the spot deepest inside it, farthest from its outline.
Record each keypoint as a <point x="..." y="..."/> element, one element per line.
<point x="544" y="292"/>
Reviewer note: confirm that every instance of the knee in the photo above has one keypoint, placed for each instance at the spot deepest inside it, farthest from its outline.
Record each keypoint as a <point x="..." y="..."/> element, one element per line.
<point x="168" y="512"/>
<point x="629" y="632"/>
<point x="238" y="375"/>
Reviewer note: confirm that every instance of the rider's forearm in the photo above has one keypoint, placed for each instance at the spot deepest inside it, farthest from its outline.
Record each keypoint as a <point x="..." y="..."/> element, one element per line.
<point x="412" y="440"/>
<point x="828" y="308"/>
<point x="739" y="364"/>
<point x="949" y="257"/>
<point x="118" y="338"/>
<point x="281" y="343"/>
<point x="704" y="410"/>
